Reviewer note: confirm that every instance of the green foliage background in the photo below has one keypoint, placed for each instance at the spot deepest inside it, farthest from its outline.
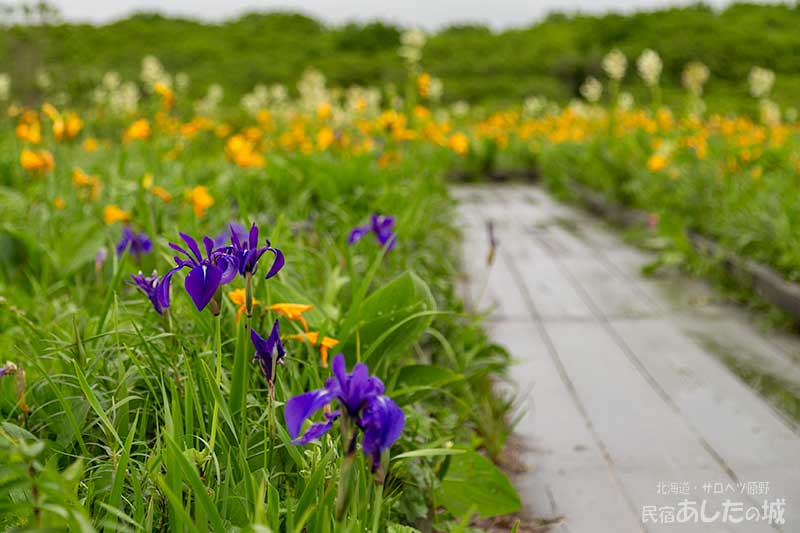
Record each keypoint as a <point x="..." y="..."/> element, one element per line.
<point x="550" y="58"/>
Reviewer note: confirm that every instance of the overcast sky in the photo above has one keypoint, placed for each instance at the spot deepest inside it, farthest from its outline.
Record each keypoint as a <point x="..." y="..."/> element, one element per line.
<point x="429" y="14"/>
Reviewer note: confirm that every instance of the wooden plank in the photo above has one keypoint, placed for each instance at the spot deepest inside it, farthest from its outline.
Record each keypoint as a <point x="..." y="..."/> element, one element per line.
<point x="565" y="462"/>
<point x="652" y="404"/>
<point x="551" y="292"/>
<point x="608" y="290"/>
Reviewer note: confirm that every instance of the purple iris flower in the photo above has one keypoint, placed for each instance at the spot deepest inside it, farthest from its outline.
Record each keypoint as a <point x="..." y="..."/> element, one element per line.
<point x="155" y="287"/>
<point x="207" y="273"/>
<point x="247" y="253"/>
<point x="138" y="244"/>
<point x="361" y="400"/>
<point x="234" y="227"/>
<point x="266" y="349"/>
<point x="381" y="226"/>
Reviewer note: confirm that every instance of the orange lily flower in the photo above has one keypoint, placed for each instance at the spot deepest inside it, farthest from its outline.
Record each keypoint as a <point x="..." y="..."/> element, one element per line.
<point x="313" y="337"/>
<point x="293" y="312"/>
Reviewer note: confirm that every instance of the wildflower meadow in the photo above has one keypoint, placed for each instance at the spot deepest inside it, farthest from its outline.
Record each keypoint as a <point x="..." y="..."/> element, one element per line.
<point x="240" y="312"/>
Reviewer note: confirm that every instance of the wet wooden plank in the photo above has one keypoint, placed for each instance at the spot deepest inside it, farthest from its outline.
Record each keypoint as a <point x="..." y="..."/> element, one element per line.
<point x="611" y="293"/>
<point x="644" y="391"/>
<point x="565" y="463"/>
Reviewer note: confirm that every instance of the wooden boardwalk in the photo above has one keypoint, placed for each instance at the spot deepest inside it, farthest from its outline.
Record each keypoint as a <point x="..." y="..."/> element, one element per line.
<point x="625" y="404"/>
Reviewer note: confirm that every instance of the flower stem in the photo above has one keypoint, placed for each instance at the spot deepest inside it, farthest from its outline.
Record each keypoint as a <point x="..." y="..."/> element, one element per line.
<point x="218" y="345"/>
<point x="376" y="514"/>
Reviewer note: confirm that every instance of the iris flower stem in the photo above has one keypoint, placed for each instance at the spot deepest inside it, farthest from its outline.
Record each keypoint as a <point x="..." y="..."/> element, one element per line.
<point x="245" y="377"/>
<point x="376" y="514"/>
<point x="218" y="345"/>
<point x="271" y="421"/>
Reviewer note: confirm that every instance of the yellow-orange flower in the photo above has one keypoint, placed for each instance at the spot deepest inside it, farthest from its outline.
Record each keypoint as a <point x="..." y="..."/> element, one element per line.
<point x="325" y="138"/>
<point x="241" y="151"/>
<point x="50" y="110"/>
<point x="324" y="110"/>
<point x="292" y="311"/>
<point x="424" y="84"/>
<point x="90" y="144"/>
<point x="59" y="203"/>
<point x="166" y="94"/>
<point x="113" y="213"/>
<point x="237" y="296"/>
<point x="36" y="161"/>
<point x="29" y="132"/>
<point x="67" y="127"/>
<point x="459" y="143"/>
<point x="162" y="194"/>
<point x="312" y="337"/>
<point x="82" y="179"/>
<point x="200" y="199"/>
<point x="657" y="162"/>
<point x="139" y="130"/>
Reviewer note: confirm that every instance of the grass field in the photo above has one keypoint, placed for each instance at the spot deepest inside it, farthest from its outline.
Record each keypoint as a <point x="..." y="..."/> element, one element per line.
<point x="178" y="278"/>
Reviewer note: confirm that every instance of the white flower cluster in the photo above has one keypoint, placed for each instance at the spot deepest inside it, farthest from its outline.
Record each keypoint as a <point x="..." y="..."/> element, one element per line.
<point x="538" y="106"/>
<point x="5" y="86"/>
<point x="312" y="90"/>
<point x="209" y="103"/>
<point x="256" y="100"/>
<point x="460" y="108"/>
<point x="625" y="101"/>
<point x="363" y="101"/>
<point x="153" y="73"/>
<point x="263" y="97"/>
<point x="615" y="64"/>
<point x="694" y="77"/>
<point x="412" y="43"/>
<point x="761" y="80"/>
<point x="118" y="96"/>
<point x="649" y="66"/>
<point x="591" y="89"/>
<point x="770" y="112"/>
<point x="43" y="80"/>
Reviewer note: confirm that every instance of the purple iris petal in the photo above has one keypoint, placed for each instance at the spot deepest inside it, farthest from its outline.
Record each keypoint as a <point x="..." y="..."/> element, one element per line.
<point x="353" y="389"/>
<point x="201" y="284"/>
<point x="192" y="245"/>
<point x="277" y="264"/>
<point x="248" y="253"/>
<point x="314" y="432"/>
<point x="357" y="233"/>
<point x="228" y="266"/>
<point x="156" y="288"/>
<point x="234" y="228"/>
<point x="382" y="226"/>
<point x="268" y="348"/>
<point x="361" y="397"/>
<point x="302" y="407"/>
<point x="382" y="421"/>
<point x="207" y="274"/>
<point x="138" y="244"/>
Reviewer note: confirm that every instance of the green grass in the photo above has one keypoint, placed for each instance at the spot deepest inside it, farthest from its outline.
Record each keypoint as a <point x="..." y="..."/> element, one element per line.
<point x="117" y="429"/>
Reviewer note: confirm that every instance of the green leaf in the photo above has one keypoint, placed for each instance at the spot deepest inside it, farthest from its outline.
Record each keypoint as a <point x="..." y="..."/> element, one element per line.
<point x="473" y="481"/>
<point x="418" y="377"/>
<point x="191" y="476"/>
<point x="429" y="452"/>
<point x="392" y="318"/>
